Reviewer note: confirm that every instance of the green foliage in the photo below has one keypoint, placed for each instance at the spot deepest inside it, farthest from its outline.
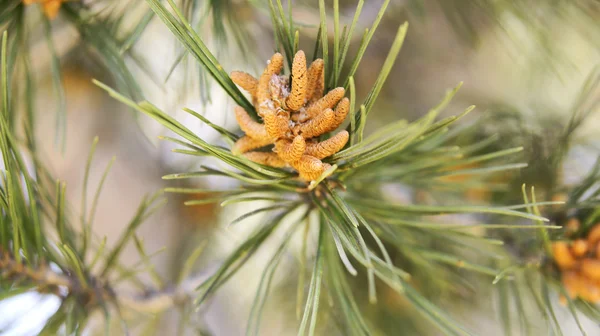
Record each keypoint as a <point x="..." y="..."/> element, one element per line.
<point x="354" y="213"/>
<point x="367" y="240"/>
<point x="543" y="21"/>
<point x="42" y="249"/>
<point x="530" y="277"/>
<point x="102" y="34"/>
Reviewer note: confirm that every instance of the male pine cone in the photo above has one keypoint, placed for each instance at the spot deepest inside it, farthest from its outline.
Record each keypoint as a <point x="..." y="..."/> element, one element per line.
<point x="295" y="112"/>
<point x="579" y="264"/>
<point x="50" y="7"/>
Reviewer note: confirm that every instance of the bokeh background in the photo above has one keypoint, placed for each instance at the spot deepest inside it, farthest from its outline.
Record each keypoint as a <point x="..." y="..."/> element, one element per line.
<point x="527" y="56"/>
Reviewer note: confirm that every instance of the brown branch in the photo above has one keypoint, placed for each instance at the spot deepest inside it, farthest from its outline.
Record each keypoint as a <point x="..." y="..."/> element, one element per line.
<point x="48" y="280"/>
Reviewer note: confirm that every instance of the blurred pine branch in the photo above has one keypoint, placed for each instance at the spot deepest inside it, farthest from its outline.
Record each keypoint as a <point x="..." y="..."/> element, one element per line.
<point x="362" y="242"/>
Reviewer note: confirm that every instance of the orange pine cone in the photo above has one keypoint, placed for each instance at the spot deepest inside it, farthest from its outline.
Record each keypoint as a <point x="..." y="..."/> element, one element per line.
<point x="49" y="7"/>
<point x="341" y="110"/>
<point x="591" y="268"/>
<point x="594" y="235"/>
<point x="290" y="151"/>
<point x="299" y="83"/>
<point x="327" y="102"/>
<point x="246" y="143"/>
<point x="317" y="126"/>
<point x="265" y="158"/>
<point x="315" y="85"/>
<point x="562" y="255"/>
<point x="579" y="248"/>
<point x="277" y="125"/>
<point x="273" y="68"/>
<point x="309" y="167"/>
<point x="245" y="81"/>
<point x="252" y="128"/>
<point x="326" y="148"/>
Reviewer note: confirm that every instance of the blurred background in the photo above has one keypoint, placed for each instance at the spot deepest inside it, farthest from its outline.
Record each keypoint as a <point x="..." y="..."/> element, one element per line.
<point x="531" y="57"/>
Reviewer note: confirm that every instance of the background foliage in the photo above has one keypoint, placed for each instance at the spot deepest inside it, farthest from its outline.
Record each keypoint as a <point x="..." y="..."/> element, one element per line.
<point x="436" y="217"/>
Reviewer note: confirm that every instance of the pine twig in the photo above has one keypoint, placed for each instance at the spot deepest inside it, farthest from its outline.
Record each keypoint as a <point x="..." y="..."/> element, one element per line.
<point x="151" y="301"/>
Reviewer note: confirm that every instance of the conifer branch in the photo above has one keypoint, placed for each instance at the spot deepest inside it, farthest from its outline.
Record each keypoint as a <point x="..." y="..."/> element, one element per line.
<point x="46" y="279"/>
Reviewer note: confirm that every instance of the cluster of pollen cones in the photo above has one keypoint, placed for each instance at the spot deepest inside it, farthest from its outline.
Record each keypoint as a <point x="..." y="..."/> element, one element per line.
<point x="295" y="112"/>
<point x="50" y="7"/>
<point x="579" y="262"/>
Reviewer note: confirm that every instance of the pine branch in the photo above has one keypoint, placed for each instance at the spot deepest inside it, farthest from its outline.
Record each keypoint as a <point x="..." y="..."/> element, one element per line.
<point x="150" y="300"/>
<point x="348" y="196"/>
<point x="366" y="236"/>
<point x="42" y="276"/>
